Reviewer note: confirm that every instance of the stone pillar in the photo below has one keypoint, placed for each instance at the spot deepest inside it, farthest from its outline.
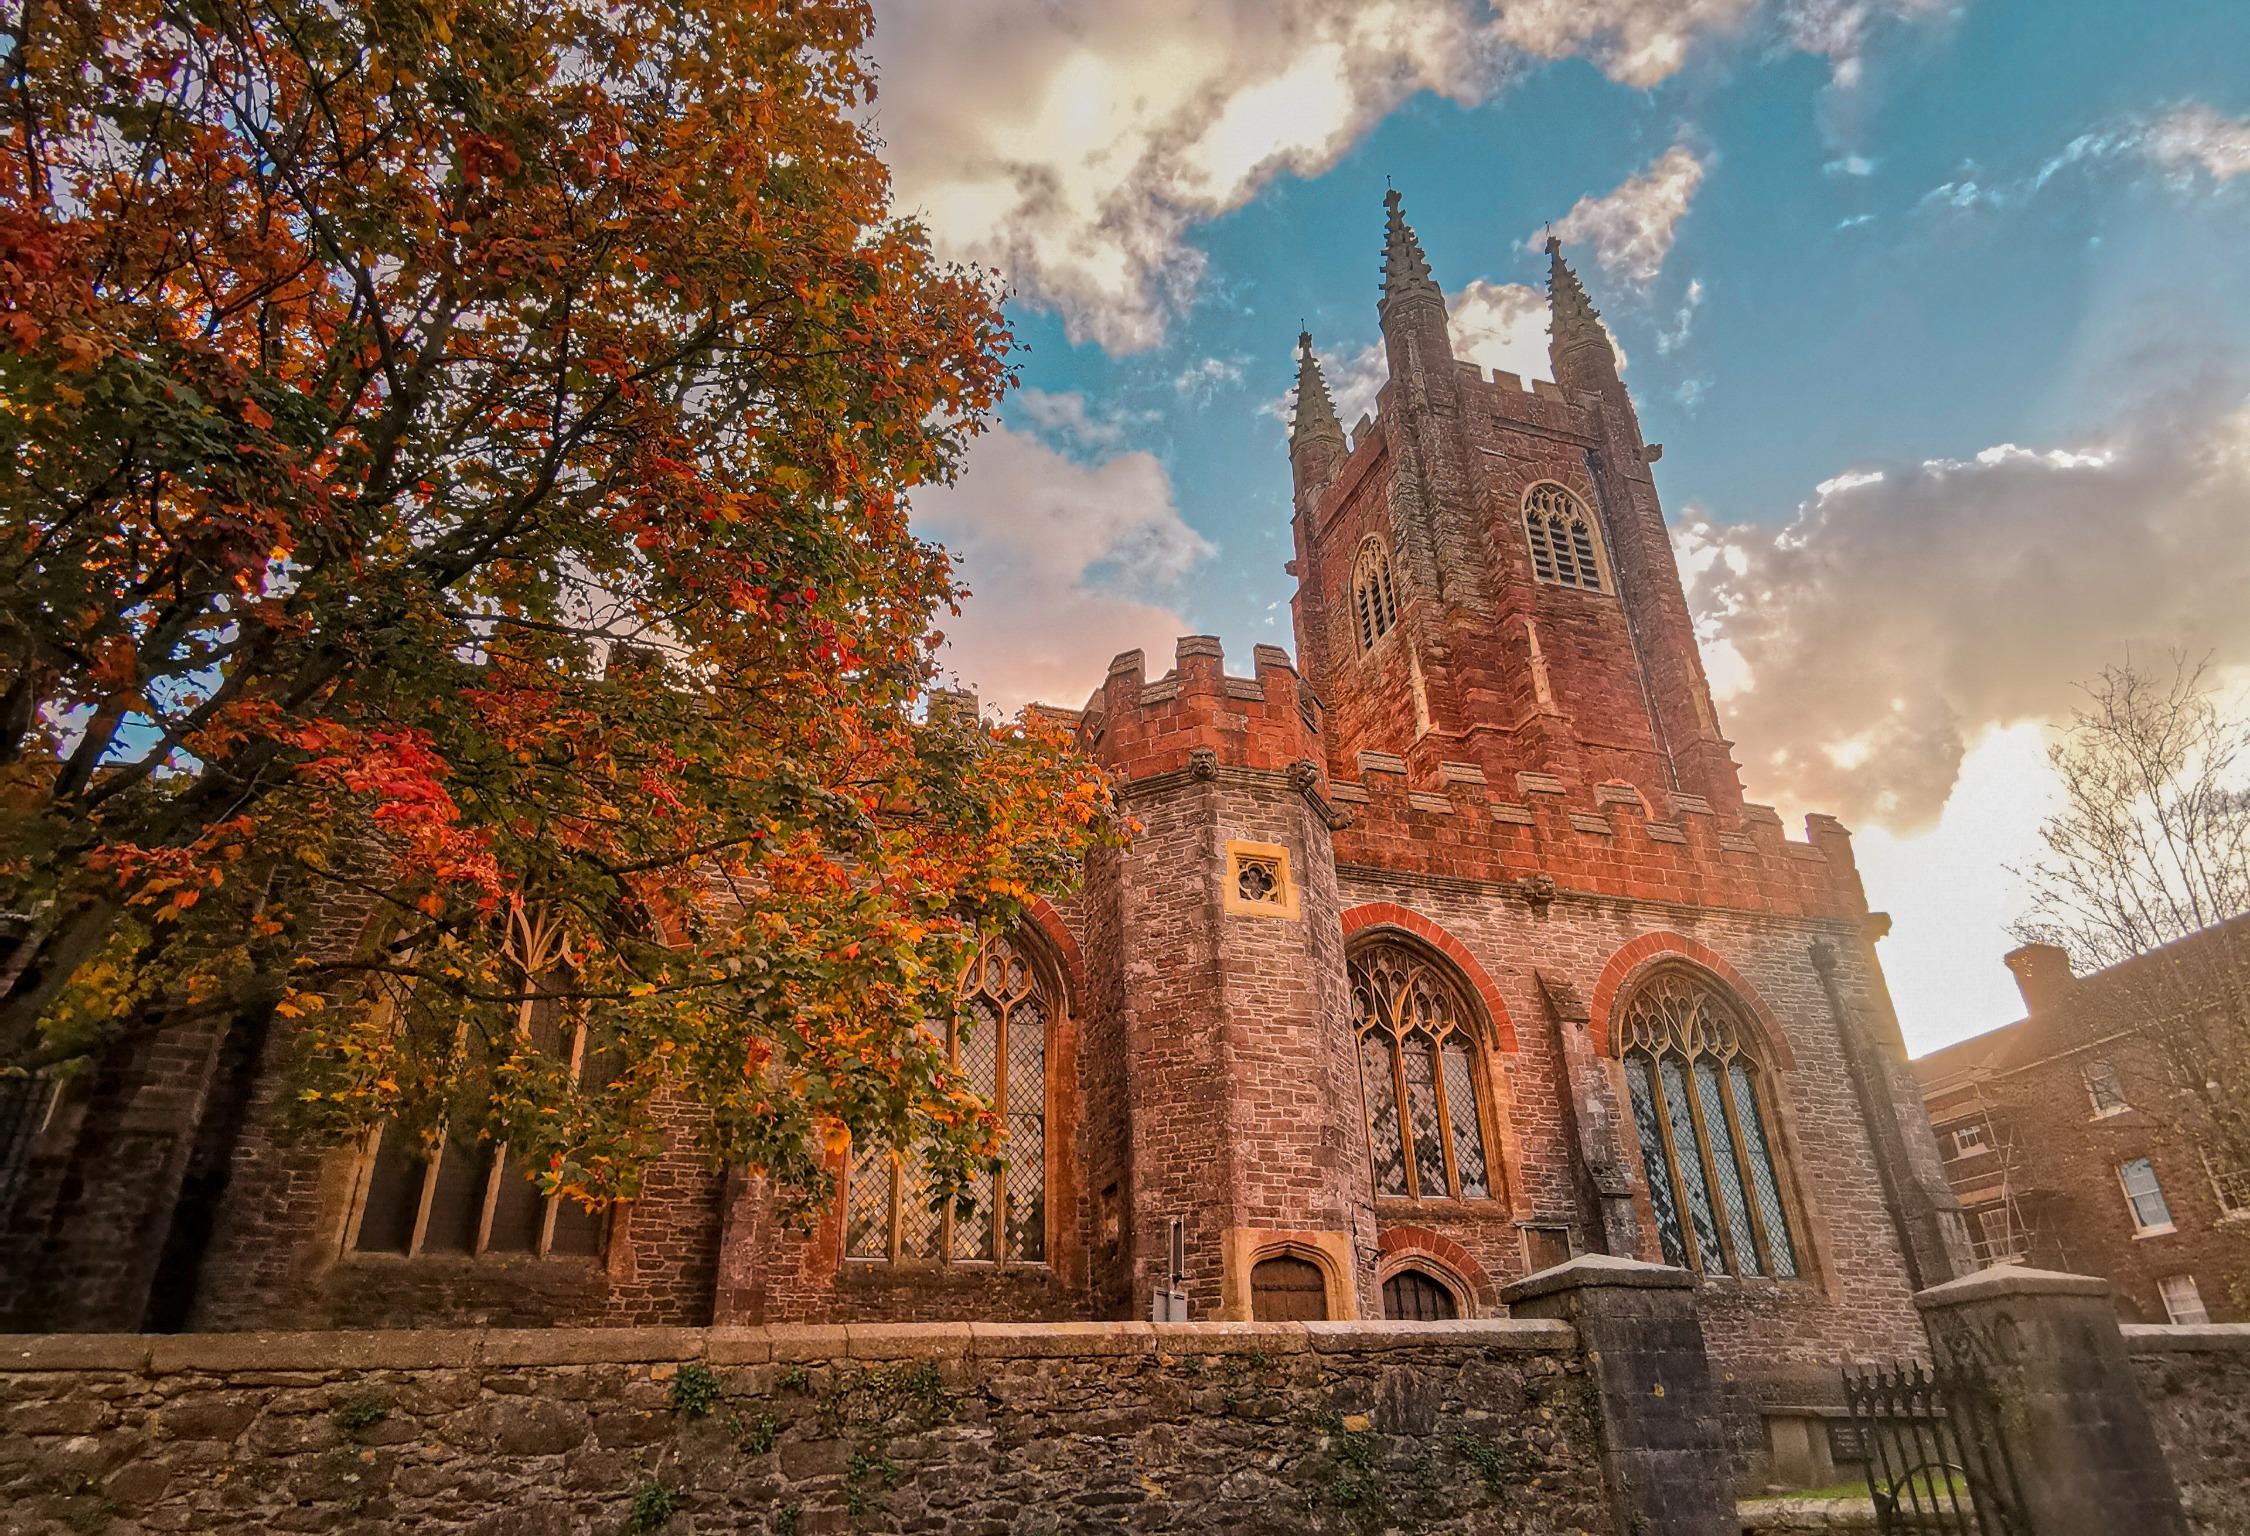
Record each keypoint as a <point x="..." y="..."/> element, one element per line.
<point x="2085" y="1451"/>
<point x="1664" y="1454"/>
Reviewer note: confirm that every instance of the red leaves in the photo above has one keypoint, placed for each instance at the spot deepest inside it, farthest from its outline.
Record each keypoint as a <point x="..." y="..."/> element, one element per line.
<point x="486" y="156"/>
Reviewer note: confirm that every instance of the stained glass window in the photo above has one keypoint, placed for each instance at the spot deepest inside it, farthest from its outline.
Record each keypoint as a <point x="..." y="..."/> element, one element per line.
<point x="1425" y="1131"/>
<point x="1561" y="533"/>
<point x="998" y="1038"/>
<point x="1693" y="1074"/>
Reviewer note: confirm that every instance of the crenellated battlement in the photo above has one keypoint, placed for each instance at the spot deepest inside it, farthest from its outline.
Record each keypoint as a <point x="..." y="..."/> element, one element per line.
<point x="1612" y="838"/>
<point x="1138" y="728"/>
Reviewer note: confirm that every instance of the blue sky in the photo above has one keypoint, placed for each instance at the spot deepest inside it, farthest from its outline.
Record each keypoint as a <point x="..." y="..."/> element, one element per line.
<point x="1938" y="309"/>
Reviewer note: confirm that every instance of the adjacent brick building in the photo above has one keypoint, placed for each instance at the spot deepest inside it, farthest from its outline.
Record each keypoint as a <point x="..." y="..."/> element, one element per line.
<point x="1445" y="953"/>
<point x="2070" y="1145"/>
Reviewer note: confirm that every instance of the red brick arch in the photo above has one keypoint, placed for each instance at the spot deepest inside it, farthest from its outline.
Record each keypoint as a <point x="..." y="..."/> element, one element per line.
<point x="1443" y="1253"/>
<point x="1041" y="915"/>
<point x="1630" y="964"/>
<point x="1389" y="914"/>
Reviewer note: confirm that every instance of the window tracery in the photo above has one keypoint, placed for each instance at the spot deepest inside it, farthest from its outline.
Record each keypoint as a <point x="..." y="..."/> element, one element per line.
<point x="1564" y="545"/>
<point x="1425" y="1132"/>
<point x="998" y="1038"/>
<point x="1374" y="593"/>
<point x="456" y="1191"/>
<point x="1698" y="1098"/>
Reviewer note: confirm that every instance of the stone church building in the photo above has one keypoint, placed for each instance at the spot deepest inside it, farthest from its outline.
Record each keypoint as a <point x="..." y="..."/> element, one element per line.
<point x="1441" y="955"/>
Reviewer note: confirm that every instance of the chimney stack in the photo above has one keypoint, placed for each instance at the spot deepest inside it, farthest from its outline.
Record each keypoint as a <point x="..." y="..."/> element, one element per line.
<point x="2042" y="975"/>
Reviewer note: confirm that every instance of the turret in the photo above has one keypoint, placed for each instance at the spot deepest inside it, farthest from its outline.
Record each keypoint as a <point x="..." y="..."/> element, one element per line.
<point x="1412" y="310"/>
<point x="1577" y="347"/>
<point x="1316" y="438"/>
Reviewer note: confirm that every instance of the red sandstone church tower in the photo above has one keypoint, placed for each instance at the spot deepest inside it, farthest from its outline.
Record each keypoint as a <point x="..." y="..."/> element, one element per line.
<point x="1446" y="953"/>
<point x="1456" y="950"/>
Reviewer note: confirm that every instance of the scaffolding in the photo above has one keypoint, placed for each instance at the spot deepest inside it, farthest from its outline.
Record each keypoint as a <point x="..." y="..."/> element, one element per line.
<point x="1999" y="1203"/>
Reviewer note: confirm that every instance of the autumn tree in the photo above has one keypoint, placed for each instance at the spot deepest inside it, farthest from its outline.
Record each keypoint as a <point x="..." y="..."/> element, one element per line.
<point x="2149" y="848"/>
<point x="453" y="475"/>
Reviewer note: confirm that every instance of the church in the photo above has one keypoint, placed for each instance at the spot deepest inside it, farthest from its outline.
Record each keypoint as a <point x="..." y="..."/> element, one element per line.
<point x="1441" y="954"/>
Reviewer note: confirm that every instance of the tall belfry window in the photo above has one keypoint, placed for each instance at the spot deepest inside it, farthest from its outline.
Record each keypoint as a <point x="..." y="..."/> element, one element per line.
<point x="1425" y="1134"/>
<point x="998" y="1037"/>
<point x="1374" y="593"/>
<point x="1699" y="1097"/>
<point x="1565" y="548"/>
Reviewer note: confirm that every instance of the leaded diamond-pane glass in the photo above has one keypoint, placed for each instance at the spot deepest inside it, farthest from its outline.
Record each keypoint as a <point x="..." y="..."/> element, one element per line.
<point x="1781" y="1253"/>
<point x="1027" y="1187"/>
<point x="1001" y="1016"/>
<point x="1383" y="1143"/>
<point x="1414" y="1025"/>
<point x="1710" y="1097"/>
<point x="1420" y="1057"/>
<point x="867" y="1208"/>
<point x="1027" y="1132"/>
<point x="1654" y="1162"/>
<point x="1468" y="1133"/>
<point x="972" y="1218"/>
<point x="1672" y="1072"/>
<point x="920" y="1213"/>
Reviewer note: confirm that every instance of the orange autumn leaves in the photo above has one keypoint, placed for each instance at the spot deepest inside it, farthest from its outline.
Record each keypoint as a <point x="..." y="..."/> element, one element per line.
<point x="453" y="466"/>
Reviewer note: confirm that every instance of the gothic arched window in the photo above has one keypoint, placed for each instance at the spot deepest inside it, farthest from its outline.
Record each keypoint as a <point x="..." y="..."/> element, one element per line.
<point x="455" y="1190"/>
<point x="1374" y="592"/>
<point x="1425" y="1134"/>
<point x="998" y="1038"/>
<point x="1699" y="1110"/>
<point x="1565" y="549"/>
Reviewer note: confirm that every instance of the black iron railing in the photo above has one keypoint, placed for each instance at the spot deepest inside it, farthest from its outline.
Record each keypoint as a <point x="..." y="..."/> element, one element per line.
<point x="1936" y="1450"/>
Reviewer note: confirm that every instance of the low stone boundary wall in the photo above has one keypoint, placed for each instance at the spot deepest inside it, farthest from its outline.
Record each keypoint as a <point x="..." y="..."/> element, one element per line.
<point x="2196" y="1380"/>
<point x="1246" y="1427"/>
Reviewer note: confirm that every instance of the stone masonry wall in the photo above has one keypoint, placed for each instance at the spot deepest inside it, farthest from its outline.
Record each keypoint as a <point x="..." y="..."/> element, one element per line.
<point x="2197" y="1385"/>
<point x="937" y="1427"/>
<point x="1855" y="1298"/>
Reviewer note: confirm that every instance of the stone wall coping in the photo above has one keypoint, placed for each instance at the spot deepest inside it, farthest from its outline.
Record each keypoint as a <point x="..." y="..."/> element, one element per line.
<point x="1529" y="1334"/>
<point x="2186" y="1338"/>
<point x="2008" y="1280"/>
<point x="1591" y="1270"/>
<point x="431" y="1348"/>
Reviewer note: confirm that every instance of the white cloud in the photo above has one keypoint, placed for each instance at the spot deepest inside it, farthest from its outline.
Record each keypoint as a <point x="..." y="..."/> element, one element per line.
<point x="1849" y="165"/>
<point x="1950" y="895"/>
<point x="1501" y="327"/>
<point x="1910" y="609"/>
<point x="1202" y="379"/>
<point x="1631" y="228"/>
<point x="1074" y="146"/>
<point x="2191" y="143"/>
<point x="1068" y="417"/>
<point x="1841" y="29"/>
<point x="1675" y="336"/>
<point x="1067" y="562"/>
<point x="1639" y="42"/>
<point x="2196" y="136"/>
